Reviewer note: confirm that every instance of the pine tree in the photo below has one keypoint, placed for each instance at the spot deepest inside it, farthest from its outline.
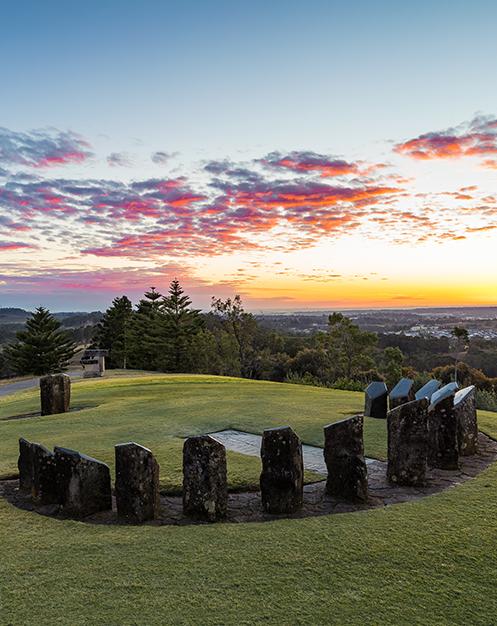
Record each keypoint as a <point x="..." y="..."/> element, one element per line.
<point x="146" y="332"/>
<point x="43" y="348"/>
<point x="182" y="323"/>
<point x="113" y="332"/>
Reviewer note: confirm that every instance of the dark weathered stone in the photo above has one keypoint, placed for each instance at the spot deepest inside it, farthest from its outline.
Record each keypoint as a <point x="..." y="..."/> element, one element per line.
<point x="205" y="485"/>
<point x="344" y="458"/>
<point x="428" y="390"/>
<point x="408" y="443"/>
<point x="443" y="449"/>
<point x="55" y="393"/>
<point x="467" y="421"/>
<point x="376" y="401"/>
<point x="137" y="483"/>
<point x="402" y="392"/>
<point x="83" y="483"/>
<point x="44" y="489"/>
<point x="282" y="477"/>
<point x="25" y="465"/>
<point x="37" y="472"/>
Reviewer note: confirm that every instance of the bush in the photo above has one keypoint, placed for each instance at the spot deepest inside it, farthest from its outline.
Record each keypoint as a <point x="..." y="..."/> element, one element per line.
<point x="304" y="379"/>
<point x="486" y="400"/>
<point x="348" y="385"/>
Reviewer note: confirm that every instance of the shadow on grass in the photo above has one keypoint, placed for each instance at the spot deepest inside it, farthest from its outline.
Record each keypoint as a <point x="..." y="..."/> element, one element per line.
<point x="24" y="416"/>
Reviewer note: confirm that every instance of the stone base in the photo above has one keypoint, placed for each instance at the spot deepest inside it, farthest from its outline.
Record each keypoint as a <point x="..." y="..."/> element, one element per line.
<point x="408" y="443"/>
<point x="83" y="483"/>
<point x="467" y="421"/>
<point x="55" y="394"/>
<point x="344" y="457"/>
<point x="205" y="484"/>
<point x="137" y="483"/>
<point x="443" y="449"/>
<point x="282" y="477"/>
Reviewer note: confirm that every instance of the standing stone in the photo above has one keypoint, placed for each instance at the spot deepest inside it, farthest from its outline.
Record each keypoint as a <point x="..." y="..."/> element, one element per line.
<point x="344" y="458"/>
<point x="467" y="421"/>
<point x="408" y="443"/>
<point x="55" y="393"/>
<point x="83" y="483"/>
<point x="428" y="390"/>
<point x="137" y="483"/>
<point x="376" y="402"/>
<point x="443" y="449"/>
<point x="44" y="489"/>
<point x="402" y="392"/>
<point x="282" y="477"/>
<point x="205" y="483"/>
<point x="25" y="465"/>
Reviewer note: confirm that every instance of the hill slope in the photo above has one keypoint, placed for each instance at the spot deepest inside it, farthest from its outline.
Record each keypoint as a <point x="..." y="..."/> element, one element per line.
<point x="432" y="561"/>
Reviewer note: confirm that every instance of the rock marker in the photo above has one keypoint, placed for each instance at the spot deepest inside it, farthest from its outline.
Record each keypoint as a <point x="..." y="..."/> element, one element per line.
<point x="282" y="477"/>
<point x="344" y="457"/>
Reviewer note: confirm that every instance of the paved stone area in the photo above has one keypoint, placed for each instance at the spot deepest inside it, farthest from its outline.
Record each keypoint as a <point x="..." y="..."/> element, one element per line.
<point x="247" y="443"/>
<point x="246" y="507"/>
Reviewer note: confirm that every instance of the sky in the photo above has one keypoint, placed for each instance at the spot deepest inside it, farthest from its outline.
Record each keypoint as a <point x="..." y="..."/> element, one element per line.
<point x="304" y="155"/>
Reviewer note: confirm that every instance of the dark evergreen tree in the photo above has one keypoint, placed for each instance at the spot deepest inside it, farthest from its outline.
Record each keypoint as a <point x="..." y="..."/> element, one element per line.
<point x="42" y="348"/>
<point x="181" y="324"/>
<point x="113" y="332"/>
<point x="147" y="332"/>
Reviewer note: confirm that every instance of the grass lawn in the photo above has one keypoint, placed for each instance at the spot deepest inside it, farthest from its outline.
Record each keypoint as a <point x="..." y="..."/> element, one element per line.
<point x="432" y="561"/>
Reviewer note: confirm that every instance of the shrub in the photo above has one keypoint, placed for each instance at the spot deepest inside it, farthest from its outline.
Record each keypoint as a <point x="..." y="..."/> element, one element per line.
<point x="348" y="385"/>
<point x="486" y="400"/>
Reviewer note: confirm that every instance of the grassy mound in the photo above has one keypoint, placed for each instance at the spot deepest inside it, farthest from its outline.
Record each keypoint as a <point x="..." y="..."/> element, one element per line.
<point x="158" y="411"/>
<point x="432" y="561"/>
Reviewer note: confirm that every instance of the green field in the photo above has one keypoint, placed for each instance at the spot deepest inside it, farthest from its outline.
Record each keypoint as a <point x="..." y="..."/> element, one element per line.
<point x="433" y="561"/>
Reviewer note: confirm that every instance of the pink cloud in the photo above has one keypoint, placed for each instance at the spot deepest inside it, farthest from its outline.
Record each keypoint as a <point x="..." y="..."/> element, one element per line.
<point x="42" y="148"/>
<point x="6" y="246"/>
<point x="476" y="138"/>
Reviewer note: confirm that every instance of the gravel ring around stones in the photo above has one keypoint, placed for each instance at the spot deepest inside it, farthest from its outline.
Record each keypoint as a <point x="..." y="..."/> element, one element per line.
<point x="246" y="506"/>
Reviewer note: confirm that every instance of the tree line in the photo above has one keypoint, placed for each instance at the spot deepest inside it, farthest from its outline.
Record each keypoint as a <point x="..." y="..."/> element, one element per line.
<point x="164" y="332"/>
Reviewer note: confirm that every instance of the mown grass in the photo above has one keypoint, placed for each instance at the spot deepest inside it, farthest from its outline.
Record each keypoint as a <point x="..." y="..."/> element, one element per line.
<point x="432" y="561"/>
<point x="159" y="411"/>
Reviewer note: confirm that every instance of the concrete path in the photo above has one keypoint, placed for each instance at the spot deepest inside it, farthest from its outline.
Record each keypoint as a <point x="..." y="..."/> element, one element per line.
<point x="31" y="383"/>
<point x="247" y="443"/>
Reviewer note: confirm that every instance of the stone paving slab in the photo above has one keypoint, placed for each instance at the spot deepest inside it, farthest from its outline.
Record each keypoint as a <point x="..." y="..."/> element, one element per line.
<point x="250" y="444"/>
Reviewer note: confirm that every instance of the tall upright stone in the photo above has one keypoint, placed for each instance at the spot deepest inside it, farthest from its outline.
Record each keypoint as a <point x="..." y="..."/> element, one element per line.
<point x="25" y="465"/>
<point x="443" y="449"/>
<point x="282" y="476"/>
<point x="376" y="400"/>
<point x="55" y="393"/>
<point x="428" y="390"/>
<point x="402" y="392"/>
<point x="83" y="483"/>
<point x="205" y="483"/>
<point x="37" y="474"/>
<point x="44" y="489"/>
<point x="137" y="483"/>
<point x="408" y="443"/>
<point x="467" y="421"/>
<point x="344" y="458"/>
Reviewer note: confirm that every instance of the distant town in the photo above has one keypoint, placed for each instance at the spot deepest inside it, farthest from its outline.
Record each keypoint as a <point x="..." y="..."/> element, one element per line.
<point x="480" y="322"/>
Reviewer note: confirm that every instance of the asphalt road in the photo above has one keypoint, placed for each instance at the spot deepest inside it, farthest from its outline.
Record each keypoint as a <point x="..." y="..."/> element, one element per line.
<point x="30" y="383"/>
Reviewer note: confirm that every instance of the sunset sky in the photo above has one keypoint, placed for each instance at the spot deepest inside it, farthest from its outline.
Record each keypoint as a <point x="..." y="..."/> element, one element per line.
<point x="303" y="154"/>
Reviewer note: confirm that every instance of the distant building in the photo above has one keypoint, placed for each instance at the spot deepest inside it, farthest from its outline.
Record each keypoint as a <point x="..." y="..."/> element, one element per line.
<point x="93" y="362"/>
